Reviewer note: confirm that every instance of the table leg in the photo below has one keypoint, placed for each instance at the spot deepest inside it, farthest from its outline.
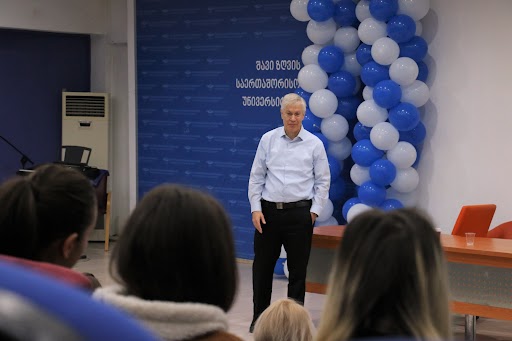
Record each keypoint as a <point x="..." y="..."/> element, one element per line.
<point x="470" y="326"/>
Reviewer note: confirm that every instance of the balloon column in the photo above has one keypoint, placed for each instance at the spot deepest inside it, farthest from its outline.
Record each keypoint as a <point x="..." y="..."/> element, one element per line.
<point x="376" y="44"/>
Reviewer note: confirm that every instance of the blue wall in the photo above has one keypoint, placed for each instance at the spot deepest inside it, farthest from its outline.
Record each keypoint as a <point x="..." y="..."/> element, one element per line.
<point x="34" y="69"/>
<point x="203" y="99"/>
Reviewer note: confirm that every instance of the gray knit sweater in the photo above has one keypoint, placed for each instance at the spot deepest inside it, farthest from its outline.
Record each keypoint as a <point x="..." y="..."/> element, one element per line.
<point x="170" y="320"/>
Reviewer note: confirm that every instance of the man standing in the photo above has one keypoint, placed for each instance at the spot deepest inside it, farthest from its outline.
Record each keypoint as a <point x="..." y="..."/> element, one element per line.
<point x="288" y="187"/>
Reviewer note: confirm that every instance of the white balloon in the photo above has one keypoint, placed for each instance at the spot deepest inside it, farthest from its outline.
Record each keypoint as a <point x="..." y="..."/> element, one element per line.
<point x="347" y="39"/>
<point x="312" y="78"/>
<point x="384" y="136"/>
<point x="283" y="252"/>
<point x="402" y="155"/>
<point x="352" y="65"/>
<point x="326" y="211"/>
<point x="340" y="149"/>
<point x="310" y="54"/>
<point x="407" y="199"/>
<point x="367" y="93"/>
<point x="299" y="10"/>
<point x="419" y="28"/>
<point x="355" y="210"/>
<point x="417" y="93"/>
<point x="416" y="9"/>
<point x="369" y="113"/>
<point x="385" y="51"/>
<point x="321" y="32"/>
<point x="323" y="103"/>
<point x="371" y="29"/>
<point x="359" y="174"/>
<point x="403" y="71"/>
<point x="329" y="222"/>
<point x="406" y="180"/>
<point x="334" y="127"/>
<point x="363" y="10"/>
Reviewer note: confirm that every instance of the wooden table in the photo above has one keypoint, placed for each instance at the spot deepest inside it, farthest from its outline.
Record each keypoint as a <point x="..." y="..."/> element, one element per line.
<point x="480" y="276"/>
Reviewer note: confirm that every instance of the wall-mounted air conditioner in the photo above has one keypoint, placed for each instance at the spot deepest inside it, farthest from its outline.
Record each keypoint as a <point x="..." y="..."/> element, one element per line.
<point x="85" y="122"/>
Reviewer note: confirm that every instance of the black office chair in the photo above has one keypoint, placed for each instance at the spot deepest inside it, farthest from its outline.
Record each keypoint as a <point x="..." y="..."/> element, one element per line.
<point x="75" y="154"/>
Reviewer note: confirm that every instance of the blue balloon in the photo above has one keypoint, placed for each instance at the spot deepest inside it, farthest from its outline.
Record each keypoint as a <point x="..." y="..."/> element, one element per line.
<point x="347" y="106"/>
<point x="337" y="189"/>
<point x="304" y="94"/>
<point x="334" y="167"/>
<point x="320" y="10"/>
<point x="348" y="205"/>
<point x="423" y="71"/>
<point x="372" y="73"/>
<point x="405" y="116"/>
<point x="364" y="153"/>
<point x="364" y="54"/>
<point x="345" y="13"/>
<point x="387" y="93"/>
<point x="391" y="204"/>
<point x="361" y="132"/>
<point x="279" y="268"/>
<point x="382" y="172"/>
<point x="324" y="139"/>
<point x="383" y="10"/>
<point x="416" y="48"/>
<point x="401" y="28"/>
<point x="342" y="83"/>
<point x="331" y="58"/>
<point x="415" y="136"/>
<point x="371" y="194"/>
<point x="311" y="122"/>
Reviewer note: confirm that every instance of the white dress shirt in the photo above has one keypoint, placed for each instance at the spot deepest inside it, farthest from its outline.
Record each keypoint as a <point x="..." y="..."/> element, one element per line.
<point x="286" y="170"/>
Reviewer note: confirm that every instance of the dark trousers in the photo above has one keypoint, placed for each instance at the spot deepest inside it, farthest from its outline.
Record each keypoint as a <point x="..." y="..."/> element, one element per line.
<point x="292" y="228"/>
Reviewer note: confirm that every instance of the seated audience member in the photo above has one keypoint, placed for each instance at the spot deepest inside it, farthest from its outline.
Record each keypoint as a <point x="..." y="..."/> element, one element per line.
<point x="388" y="279"/>
<point x="175" y="263"/>
<point x="284" y="320"/>
<point x="45" y="222"/>
<point x="34" y="307"/>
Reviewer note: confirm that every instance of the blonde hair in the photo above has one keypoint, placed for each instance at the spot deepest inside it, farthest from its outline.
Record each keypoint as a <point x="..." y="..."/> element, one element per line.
<point x="389" y="278"/>
<point x="284" y="320"/>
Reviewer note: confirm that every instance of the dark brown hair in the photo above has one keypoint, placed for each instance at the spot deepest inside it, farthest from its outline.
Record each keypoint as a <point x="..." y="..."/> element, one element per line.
<point x="177" y="246"/>
<point x="49" y="204"/>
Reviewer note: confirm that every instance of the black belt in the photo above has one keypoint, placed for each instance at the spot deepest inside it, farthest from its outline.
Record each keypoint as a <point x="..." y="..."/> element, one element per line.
<point x="285" y="205"/>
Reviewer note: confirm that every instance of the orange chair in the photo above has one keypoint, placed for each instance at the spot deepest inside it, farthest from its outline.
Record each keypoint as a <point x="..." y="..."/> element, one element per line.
<point x="474" y="218"/>
<point x="503" y="231"/>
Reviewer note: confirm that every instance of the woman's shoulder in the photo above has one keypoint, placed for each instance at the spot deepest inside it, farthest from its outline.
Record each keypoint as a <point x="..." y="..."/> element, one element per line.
<point x="59" y="272"/>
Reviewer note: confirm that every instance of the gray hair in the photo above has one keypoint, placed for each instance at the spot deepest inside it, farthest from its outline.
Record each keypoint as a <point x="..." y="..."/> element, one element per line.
<point x="293" y="98"/>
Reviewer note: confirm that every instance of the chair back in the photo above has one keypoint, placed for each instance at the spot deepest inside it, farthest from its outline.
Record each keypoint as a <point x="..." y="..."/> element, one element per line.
<point x="503" y="231"/>
<point x="70" y="307"/>
<point x="76" y="154"/>
<point x="474" y="218"/>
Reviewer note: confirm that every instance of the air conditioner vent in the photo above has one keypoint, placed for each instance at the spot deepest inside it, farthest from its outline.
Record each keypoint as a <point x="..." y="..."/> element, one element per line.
<point x="85" y="104"/>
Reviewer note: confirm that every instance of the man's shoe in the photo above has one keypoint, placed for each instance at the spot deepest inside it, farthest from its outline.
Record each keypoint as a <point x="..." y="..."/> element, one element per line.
<point x="251" y="328"/>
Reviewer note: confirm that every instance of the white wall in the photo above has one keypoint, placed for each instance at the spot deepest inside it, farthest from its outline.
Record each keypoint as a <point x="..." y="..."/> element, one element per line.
<point x="467" y="158"/>
<point x="71" y="16"/>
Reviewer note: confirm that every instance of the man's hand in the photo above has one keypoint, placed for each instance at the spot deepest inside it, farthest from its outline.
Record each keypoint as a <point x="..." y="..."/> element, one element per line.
<point x="257" y="219"/>
<point x="313" y="217"/>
